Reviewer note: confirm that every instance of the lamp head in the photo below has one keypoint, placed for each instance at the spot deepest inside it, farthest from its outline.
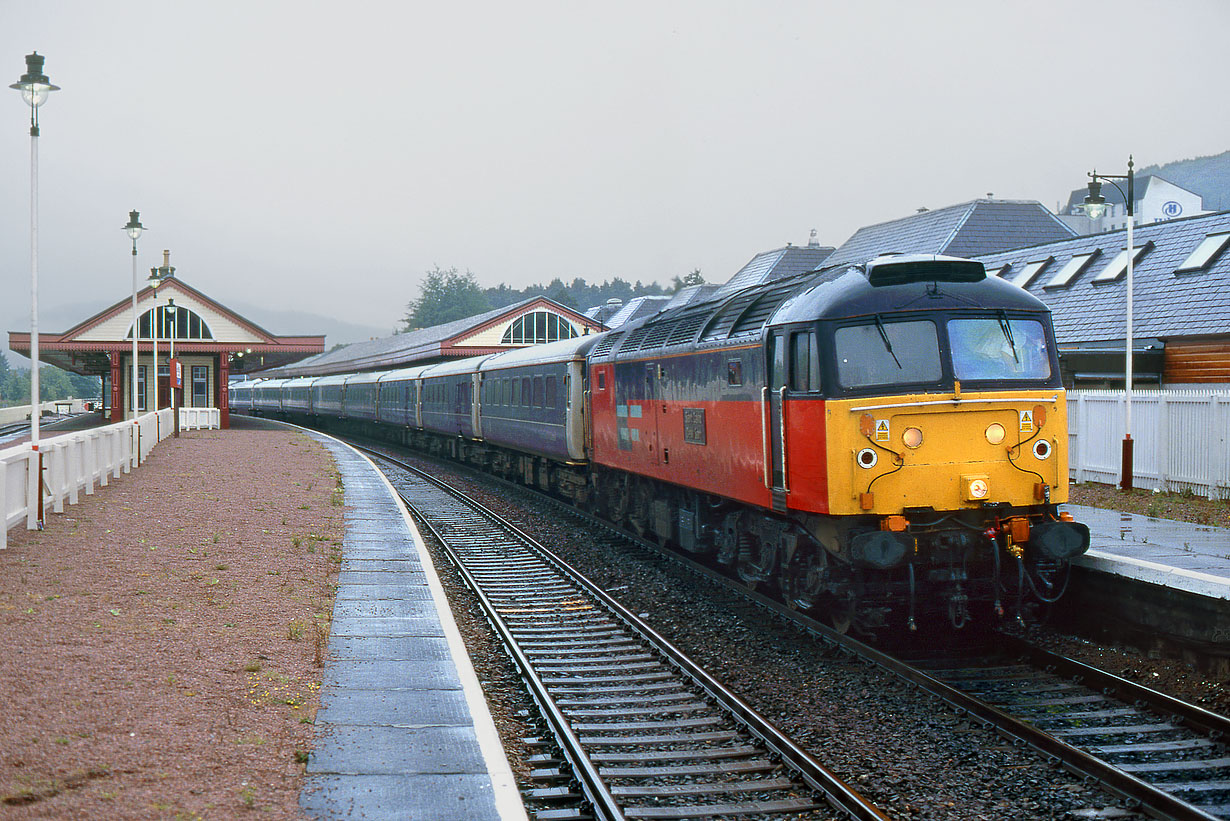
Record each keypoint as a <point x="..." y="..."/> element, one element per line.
<point x="134" y="226"/>
<point x="1095" y="203"/>
<point x="34" y="85"/>
<point x="154" y="280"/>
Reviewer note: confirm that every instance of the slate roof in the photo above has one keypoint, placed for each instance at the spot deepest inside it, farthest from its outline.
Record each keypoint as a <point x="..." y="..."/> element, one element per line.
<point x="1166" y="304"/>
<point x="402" y="349"/>
<point x="964" y="230"/>
<point x="636" y="308"/>
<point x="780" y="262"/>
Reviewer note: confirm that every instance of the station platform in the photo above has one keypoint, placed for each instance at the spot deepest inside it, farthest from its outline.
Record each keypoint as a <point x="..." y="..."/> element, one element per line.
<point x="403" y="730"/>
<point x="1189" y="557"/>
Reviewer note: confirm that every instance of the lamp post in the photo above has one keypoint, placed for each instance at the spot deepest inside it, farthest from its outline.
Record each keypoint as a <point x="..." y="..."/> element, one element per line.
<point x="1095" y="206"/>
<point x="134" y="229"/>
<point x="171" y="382"/>
<point x="156" y="276"/>
<point x="35" y="88"/>
<point x="154" y="282"/>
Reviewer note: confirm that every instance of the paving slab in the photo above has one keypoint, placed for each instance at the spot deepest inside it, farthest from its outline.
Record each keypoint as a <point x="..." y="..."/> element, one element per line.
<point x="403" y="730"/>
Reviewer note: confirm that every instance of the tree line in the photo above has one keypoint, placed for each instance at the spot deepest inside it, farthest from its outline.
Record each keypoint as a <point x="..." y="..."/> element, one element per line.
<point x="446" y="295"/>
<point x="53" y="384"/>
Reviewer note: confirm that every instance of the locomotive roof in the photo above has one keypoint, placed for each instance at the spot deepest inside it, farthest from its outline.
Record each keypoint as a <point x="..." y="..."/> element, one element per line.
<point x="829" y="293"/>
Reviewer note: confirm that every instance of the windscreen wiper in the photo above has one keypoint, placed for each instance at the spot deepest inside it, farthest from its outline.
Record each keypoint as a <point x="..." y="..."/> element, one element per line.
<point x="888" y="346"/>
<point x="1007" y="329"/>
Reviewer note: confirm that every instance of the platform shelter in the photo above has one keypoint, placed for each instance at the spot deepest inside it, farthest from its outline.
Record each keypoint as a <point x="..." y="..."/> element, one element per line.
<point x="211" y="343"/>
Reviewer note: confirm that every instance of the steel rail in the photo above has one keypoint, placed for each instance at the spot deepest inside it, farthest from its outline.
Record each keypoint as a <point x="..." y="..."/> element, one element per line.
<point x="1150" y="799"/>
<point x="838" y="794"/>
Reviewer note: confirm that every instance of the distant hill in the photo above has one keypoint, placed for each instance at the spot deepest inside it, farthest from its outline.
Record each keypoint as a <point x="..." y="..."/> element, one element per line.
<point x="1207" y="176"/>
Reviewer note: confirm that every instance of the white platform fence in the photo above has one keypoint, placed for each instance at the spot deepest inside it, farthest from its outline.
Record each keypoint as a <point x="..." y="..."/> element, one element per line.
<point x="79" y="461"/>
<point x="1181" y="439"/>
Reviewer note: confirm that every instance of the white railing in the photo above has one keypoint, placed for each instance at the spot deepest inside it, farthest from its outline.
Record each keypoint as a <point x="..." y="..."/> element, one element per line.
<point x="71" y="463"/>
<point x="1181" y="439"/>
<point x="200" y="419"/>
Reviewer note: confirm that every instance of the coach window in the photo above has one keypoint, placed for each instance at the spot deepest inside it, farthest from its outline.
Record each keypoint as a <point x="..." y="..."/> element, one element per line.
<point x="550" y="397"/>
<point x="526" y="394"/>
<point x="804" y="362"/>
<point x="538" y="392"/>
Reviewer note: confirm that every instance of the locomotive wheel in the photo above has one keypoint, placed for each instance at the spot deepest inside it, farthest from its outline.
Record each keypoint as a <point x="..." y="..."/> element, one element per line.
<point x="757" y="562"/>
<point x="804" y="579"/>
<point x="616" y="503"/>
<point x="839" y="612"/>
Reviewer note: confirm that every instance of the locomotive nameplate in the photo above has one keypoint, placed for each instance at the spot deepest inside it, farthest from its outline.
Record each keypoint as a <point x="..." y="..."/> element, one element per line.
<point x="694" y="426"/>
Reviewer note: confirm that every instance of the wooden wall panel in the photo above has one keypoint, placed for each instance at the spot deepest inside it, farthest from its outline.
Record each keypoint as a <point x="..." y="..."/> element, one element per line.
<point x="1197" y="362"/>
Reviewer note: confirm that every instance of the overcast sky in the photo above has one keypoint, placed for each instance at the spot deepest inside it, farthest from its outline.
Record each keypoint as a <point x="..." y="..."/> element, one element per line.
<point x="321" y="156"/>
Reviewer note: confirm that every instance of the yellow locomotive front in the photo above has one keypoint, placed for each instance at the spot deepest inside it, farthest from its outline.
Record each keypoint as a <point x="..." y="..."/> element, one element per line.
<point x="945" y="443"/>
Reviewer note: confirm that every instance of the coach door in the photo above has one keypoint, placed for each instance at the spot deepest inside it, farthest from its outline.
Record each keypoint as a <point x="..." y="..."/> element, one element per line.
<point x="775" y="429"/>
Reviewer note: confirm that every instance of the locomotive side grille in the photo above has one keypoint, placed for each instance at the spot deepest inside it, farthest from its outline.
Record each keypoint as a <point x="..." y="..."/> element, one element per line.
<point x="607" y="343"/>
<point x="633" y="342"/>
<point x="758" y="312"/>
<point x="655" y="335"/>
<point x="686" y="328"/>
<point x="720" y="327"/>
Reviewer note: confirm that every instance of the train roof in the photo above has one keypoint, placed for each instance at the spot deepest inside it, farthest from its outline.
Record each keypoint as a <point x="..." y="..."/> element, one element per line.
<point x="828" y="293"/>
<point x="325" y="381"/>
<point x="366" y="378"/>
<point x="455" y="366"/>
<point x="403" y="373"/>
<point x="854" y="291"/>
<point x="562" y="351"/>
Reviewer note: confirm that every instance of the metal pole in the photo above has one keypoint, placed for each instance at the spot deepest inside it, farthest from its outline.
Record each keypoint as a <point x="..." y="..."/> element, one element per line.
<point x="36" y="407"/>
<point x="136" y="326"/>
<point x="1126" y="471"/>
<point x="154" y="330"/>
<point x="171" y="376"/>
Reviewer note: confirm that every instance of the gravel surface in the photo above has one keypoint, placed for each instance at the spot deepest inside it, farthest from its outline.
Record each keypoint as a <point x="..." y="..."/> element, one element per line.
<point x="897" y="746"/>
<point x="161" y="641"/>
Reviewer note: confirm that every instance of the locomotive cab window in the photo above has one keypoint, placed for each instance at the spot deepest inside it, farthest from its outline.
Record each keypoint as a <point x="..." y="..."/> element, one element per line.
<point x="804" y="362"/>
<point x="999" y="348"/>
<point x="887" y="353"/>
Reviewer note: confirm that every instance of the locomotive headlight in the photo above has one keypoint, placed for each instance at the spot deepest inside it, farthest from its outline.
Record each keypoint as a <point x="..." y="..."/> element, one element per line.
<point x="995" y="433"/>
<point x="866" y="458"/>
<point x="912" y="437"/>
<point x="1042" y="449"/>
<point x="976" y="488"/>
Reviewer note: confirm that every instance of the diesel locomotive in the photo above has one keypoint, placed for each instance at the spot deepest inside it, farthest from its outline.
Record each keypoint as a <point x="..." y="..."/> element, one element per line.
<point x="883" y="444"/>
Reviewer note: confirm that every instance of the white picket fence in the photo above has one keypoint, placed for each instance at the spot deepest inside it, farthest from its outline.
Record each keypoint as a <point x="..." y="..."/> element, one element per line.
<point x="1181" y="439"/>
<point x="78" y="461"/>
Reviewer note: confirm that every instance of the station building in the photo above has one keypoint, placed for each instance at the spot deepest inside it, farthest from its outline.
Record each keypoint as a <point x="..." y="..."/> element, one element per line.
<point x="212" y="342"/>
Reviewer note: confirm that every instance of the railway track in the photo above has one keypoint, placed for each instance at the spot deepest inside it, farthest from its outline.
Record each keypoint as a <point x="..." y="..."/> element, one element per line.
<point x="639" y="729"/>
<point x="1169" y="759"/>
<point x="1169" y="755"/>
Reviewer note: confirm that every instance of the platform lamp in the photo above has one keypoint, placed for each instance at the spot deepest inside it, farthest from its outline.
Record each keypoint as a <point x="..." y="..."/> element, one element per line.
<point x="35" y="88"/>
<point x="1095" y="206"/>
<point x="134" y="229"/>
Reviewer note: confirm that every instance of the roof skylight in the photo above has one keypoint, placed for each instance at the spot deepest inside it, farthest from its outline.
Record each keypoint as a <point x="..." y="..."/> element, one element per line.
<point x="1205" y="253"/>
<point x="1119" y="264"/>
<point x="1030" y="271"/>
<point x="1073" y="269"/>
